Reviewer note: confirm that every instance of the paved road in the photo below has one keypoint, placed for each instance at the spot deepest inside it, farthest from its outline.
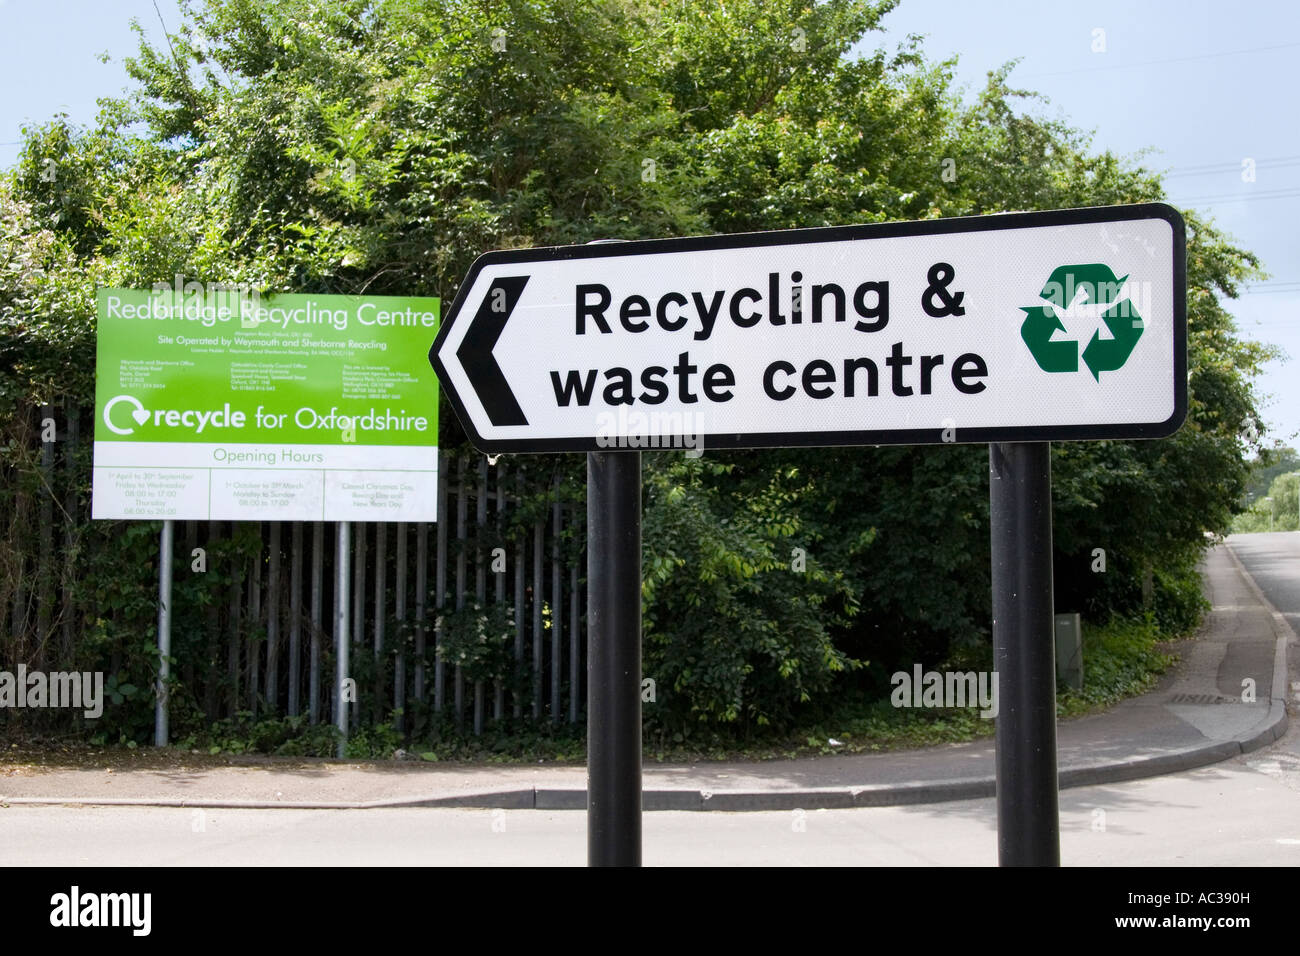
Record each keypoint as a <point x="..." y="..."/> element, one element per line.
<point x="1192" y="818"/>
<point x="1273" y="560"/>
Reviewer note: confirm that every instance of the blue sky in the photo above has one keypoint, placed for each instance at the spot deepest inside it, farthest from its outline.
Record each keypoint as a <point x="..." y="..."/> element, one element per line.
<point x="1203" y="86"/>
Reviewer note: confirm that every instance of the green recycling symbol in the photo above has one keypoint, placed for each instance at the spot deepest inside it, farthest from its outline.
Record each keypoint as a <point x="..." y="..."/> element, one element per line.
<point x="1099" y="286"/>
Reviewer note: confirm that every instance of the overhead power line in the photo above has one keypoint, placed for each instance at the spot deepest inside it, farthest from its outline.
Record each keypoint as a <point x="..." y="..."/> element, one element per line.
<point x="1232" y="167"/>
<point x="1236" y="197"/>
<point x="1174" y="59"/>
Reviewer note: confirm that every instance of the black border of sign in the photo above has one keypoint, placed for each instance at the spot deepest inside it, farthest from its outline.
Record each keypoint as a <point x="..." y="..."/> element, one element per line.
<point x="929" y="227"/>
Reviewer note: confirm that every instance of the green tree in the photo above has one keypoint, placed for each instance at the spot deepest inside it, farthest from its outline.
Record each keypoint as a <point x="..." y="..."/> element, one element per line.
<point x="1267" y="466"/>
<point x="380" y="145"/>
<point x="1276" y="510"/>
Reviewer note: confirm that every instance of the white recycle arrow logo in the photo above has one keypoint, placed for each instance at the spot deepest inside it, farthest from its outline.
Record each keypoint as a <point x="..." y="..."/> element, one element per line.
<point x="139" y="414"/>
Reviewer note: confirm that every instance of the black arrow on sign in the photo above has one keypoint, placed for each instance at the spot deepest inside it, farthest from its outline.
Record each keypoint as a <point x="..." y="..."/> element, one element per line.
<point x="475" y="352"/>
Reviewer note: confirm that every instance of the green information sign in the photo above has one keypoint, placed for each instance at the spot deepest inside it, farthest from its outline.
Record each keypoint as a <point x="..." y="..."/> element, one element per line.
<point x="226" y="405"/>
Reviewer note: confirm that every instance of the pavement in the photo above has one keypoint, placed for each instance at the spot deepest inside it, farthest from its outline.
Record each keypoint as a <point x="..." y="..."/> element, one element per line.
<point x="1195" y="717"/>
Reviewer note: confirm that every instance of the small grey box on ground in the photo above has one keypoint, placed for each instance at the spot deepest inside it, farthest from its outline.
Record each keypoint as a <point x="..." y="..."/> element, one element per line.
<point x="1069" y="651"/>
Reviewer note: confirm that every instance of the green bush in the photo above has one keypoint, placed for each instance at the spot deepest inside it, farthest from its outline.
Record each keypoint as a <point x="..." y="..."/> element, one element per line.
<point x="737" y="617"/>
<point x="224" y="163"/>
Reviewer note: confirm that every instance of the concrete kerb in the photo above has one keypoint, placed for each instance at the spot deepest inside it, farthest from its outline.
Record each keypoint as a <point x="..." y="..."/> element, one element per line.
<point x="879" y="795"/>
<point x="1281" y="626"/>
<point x="874" y="795"/>
<point x="831" y="798"/>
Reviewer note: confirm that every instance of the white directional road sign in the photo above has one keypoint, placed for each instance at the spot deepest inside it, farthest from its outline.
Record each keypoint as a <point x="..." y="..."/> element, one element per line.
<point x="1019" y="327"/>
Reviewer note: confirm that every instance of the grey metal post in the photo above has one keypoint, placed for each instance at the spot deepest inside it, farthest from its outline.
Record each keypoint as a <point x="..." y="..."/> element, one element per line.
<point x="358" y="633"/>
<point x="295" y="622"/>
<point x="440" y="589"/>
<point x="18" y="607"/>
<point x="399" y="613"/>
<point x="70" y="516"/>
<point x="165" y="538"/>
<point x="342" y="560"/>
<point x="421" y="594"/>
<point x="1020" y="513"/>
<point x="45" y="554"/>
<point x="499" y="593"/>
<point x="317" y="580"/>
<point x="520" y="544"/>
<point x="480" y="576"/>
<point x="575" y="640"/>
<point x="273" y="622"/>
<point x="557" y="607"/>
<point x="538" y="530"/>
<point x="381" y="609"/>
<point x="614" y="658"/>
<point x="232" y="649"/>
<point x="212" y="625"/>
<point x="254" y="620"/>
<point x="462" y="542"/>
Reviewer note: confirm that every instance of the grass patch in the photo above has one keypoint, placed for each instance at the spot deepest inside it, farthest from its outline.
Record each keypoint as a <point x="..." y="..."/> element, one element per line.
<point x="1120" y="659"/>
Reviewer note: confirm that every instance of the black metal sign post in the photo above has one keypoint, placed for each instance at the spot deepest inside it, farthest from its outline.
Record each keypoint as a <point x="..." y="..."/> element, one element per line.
<point x="1020" y="520"/>
<point x="747" y="341"/>
<point x="614" y="658"/>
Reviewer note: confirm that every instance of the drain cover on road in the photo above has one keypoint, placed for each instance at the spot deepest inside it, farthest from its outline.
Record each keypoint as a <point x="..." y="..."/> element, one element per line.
<point x="1201" y="699"/>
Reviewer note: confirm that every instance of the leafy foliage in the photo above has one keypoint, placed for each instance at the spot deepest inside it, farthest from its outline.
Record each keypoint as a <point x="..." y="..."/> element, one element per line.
<point x="380" y="145"/>
<point x="477" y="639"/>
<point x="1278" y="510"/>
<point x="738" y="621"/>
